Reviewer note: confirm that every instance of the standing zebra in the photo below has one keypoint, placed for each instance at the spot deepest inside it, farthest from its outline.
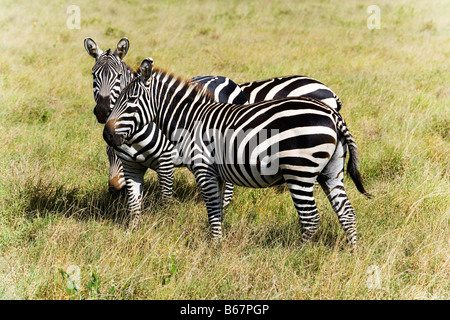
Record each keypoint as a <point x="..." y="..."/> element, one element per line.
<point x="111" y="75"/>
<point x="296" y="141"/>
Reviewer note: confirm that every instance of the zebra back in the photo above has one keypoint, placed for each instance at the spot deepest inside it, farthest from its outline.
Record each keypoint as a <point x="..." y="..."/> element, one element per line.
<point x="290" y="86"/>
<point x="223" y="89"/>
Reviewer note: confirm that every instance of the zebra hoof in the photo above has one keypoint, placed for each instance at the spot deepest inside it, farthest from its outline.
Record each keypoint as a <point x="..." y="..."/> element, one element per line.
<point x="134" y="224"/>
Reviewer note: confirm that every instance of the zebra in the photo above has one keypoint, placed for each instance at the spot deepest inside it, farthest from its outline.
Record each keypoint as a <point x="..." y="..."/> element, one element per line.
<point x="308" y="142"/>
<point x="150" y="149"/>
<point x="111" y="74"/>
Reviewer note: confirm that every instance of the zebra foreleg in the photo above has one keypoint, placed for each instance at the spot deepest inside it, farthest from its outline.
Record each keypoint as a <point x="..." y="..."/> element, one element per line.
<point x="165" y="172"/>
<point x="212" y="191"/>
<point x="134" y="177"/>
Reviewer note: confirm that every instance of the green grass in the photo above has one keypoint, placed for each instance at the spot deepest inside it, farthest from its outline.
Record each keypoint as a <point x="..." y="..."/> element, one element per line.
<point x="56" y="211"/>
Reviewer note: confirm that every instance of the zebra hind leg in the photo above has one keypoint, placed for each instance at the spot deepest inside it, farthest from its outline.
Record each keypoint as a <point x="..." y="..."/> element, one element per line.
<point x="165" y="171"/>
<point x="331" y="180"/>
<point x="341" y="205"/>
<point x="227" y="194"/>
<point x="302" y="196"/>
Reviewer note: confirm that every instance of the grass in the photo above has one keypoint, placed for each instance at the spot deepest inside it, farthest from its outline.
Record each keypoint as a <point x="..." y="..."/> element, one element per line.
<point x="56" y="212"/>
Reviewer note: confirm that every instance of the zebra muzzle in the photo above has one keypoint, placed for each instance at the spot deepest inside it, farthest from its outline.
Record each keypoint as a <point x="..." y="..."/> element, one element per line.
<point x="111" y="137"/>
<point x="102" y="110"/>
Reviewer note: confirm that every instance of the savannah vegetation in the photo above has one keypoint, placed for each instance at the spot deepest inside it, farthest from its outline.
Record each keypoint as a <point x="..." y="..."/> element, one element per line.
<point x="62" y="235"/>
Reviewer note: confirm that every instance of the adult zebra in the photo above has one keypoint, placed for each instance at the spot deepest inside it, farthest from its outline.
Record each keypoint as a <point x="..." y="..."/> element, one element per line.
<point x="110" y="76"/>
<point x="293" y="140"/>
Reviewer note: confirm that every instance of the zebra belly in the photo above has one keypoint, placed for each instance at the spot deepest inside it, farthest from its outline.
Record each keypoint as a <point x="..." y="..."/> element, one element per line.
<point x="250" y="175"/>
<point x="299" y="152"/>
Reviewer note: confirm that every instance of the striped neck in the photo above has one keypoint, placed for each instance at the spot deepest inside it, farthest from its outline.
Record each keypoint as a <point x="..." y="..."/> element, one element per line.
<point x="177" y="103"/>
<point x="128" y="75"/>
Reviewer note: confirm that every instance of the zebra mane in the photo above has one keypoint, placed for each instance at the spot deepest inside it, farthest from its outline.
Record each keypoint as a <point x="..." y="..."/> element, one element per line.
<point x="198" y="90"/>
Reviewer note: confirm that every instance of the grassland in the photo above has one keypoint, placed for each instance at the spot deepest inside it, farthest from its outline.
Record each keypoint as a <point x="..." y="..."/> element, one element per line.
<point x="55" y="209"/>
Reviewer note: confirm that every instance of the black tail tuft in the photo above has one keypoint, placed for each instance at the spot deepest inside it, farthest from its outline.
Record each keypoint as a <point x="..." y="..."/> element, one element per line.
<point x="353" y="163"/>
<point x="338" y="102"/>
<point x="352" y="170"/>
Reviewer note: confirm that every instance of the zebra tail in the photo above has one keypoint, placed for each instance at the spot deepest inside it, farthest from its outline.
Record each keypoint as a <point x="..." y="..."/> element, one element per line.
<point x="353" y="161"/>
<point x="338" y="102"/>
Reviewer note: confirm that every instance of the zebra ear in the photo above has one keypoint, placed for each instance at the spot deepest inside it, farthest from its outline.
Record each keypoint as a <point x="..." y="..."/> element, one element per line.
<point x="92" y="48"/>
<point x="146" y="69"/>
<point x="122" y="48"/>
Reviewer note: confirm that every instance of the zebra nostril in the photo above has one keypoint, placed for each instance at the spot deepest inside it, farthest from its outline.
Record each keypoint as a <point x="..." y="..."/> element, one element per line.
<point x="102" y="108"/>
<point x="107" y="135"/>
<point x="110" y="137"/>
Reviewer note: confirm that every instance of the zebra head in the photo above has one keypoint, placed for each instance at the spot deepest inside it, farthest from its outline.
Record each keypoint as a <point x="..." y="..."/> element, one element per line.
<point x="131" y="110"/>
<point x="116" y="179"/>
<point x="110" y="75"/>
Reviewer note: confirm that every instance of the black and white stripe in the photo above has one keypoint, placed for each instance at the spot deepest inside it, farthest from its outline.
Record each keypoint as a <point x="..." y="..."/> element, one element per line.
<point x="111" y="75"/>
<point x="223" y="89"/>
<point x="149" y="148"/>
<point x="290" y="86"/>
<point x="301" y="140"/>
